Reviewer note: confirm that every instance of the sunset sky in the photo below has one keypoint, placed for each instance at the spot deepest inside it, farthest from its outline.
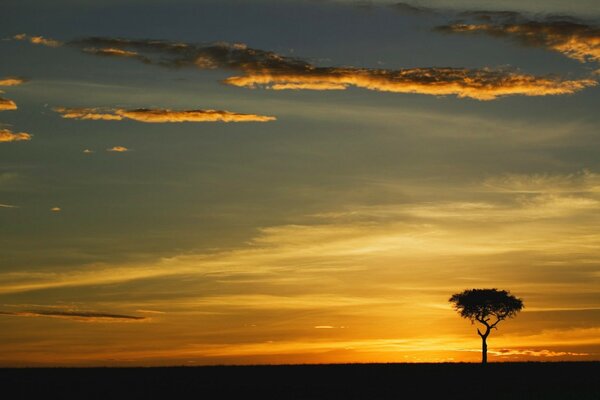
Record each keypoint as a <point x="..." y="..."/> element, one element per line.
<point x="300" y="181"/>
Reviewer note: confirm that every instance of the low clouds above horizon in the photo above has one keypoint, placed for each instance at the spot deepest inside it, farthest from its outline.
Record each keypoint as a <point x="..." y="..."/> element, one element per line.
<point x="269" y="70"/>
<point x="159" y="115"/>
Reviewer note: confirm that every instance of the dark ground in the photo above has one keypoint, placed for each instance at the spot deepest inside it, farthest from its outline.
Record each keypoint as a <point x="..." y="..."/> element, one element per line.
<point x="577" y="381"/>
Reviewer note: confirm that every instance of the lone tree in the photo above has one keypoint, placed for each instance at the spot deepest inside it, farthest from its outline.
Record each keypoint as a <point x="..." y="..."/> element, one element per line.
<point x="488" y="307"/>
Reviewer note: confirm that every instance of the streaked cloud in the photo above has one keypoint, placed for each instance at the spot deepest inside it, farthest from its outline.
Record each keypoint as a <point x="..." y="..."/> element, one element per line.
<point x="6" y="135"/>
<point x="12" y="81"/>
<point x="38" y="40"/>
<point x="160" y="115"/>
<point x="55" y="209"/>
<point x="111" y="52"/>
<point x="269" y="70"/>
<point x="534" y="353"/>
<point x="150" y="311"/>
<point x="406" y="8"/>
<point x="584" y="181"/>
<point x="87" y="114"/>
<point x="481" y="84"/>
<point x="375" y="235"/>
<point x="83" y="316"/>
<point x="7" y="206"/>
<point x="118" y="149"/>
<point x="575" y="40"/>
<point x="7" y="104"/>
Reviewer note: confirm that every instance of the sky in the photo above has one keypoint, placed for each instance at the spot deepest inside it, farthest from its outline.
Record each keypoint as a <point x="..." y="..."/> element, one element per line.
<point x="249" y="182"/>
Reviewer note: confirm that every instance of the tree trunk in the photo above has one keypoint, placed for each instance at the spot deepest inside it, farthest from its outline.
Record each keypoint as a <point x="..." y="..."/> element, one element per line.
<point x="484" y="349"/>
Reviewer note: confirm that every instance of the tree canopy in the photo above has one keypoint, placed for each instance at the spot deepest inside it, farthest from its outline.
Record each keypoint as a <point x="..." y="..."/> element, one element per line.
<point x="488" y="306"/>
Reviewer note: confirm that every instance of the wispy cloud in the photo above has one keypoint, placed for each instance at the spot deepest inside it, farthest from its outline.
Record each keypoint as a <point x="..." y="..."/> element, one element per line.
<point x="118" y="149"/>
<point x="581" y="182"/>
<point x="269" y="70"/>
<point x="538" y="225"/>
<point x="38" y="40"/>
<point x="88" y="114"/>
<point x="7" y="135"/>
<point x="406" y="8"/>
<point x="575" y="40"/>
<point x="534" y="353"/>
<point x="115" y="52"/>
<point x="12" y="81"/>
<point x="56" y="209"/>
<point x="7" y="104"/>
<point x="143" y="311"/>
<point x="481" y="84"/>
<point x="7" y="206"/>
<point x="160" y="115"/>
<point x="83" y="316"/>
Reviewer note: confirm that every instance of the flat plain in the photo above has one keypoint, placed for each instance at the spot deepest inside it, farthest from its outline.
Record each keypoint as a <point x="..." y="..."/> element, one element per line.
<point x="549" y="380"/>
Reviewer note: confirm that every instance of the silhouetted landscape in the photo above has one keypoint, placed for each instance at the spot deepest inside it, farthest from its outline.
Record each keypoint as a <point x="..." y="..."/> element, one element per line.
<point x="555" y="380"/>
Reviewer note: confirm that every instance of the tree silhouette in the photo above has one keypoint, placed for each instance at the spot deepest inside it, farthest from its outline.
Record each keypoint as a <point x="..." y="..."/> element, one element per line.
<point x="488" y="307"/>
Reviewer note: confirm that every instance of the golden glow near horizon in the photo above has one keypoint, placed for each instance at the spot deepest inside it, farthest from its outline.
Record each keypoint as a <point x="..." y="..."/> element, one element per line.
<point x="358" y="279"/>
<point x="133" y="233"/>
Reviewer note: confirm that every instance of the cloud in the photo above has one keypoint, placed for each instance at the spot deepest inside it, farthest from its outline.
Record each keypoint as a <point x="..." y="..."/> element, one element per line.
<point x="572" y="39"/>
<point x="12" y="81"/>
<point x="583" y="181"/>
<point x="7" y="206"/>
<point x="7" y="104"/>
<point x="118" y="149"/>
<point x="88" y="151"/>
<point x="87" y="114"/>
<point x="115" y="52"/>
<point x="8" y="136"/>
<point x="55" y="209"/>
<point x="269" y="70"/>
<point x="38" y="40"/>
<point x="406" y="8"/>
<point x="481" y="84"/>
<point x="160" y="115"/>
<point x="150" y="311"/>
<point x="83" y="316"/>
<point x="534" y="353"/>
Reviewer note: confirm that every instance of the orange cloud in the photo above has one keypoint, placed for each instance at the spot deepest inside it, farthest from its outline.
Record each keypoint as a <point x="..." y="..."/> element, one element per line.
<point x="575" y="40"/>
<point x="7" y="104"/>
<point x="118" y="149"/>
<point x="115" y="52"/>
<point x="269" y="70"/>
<point x="8" y="136"/>
<point x="111" y="51"/>
<point x="481" y="84"/>
<point x="534" y="353"/>
<point x="55" y="209"/>
<point x="38" y="40"/>
<point x="87" y="113"/>
<point x="160" y="115"/>
<point x="12" y="81"/>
